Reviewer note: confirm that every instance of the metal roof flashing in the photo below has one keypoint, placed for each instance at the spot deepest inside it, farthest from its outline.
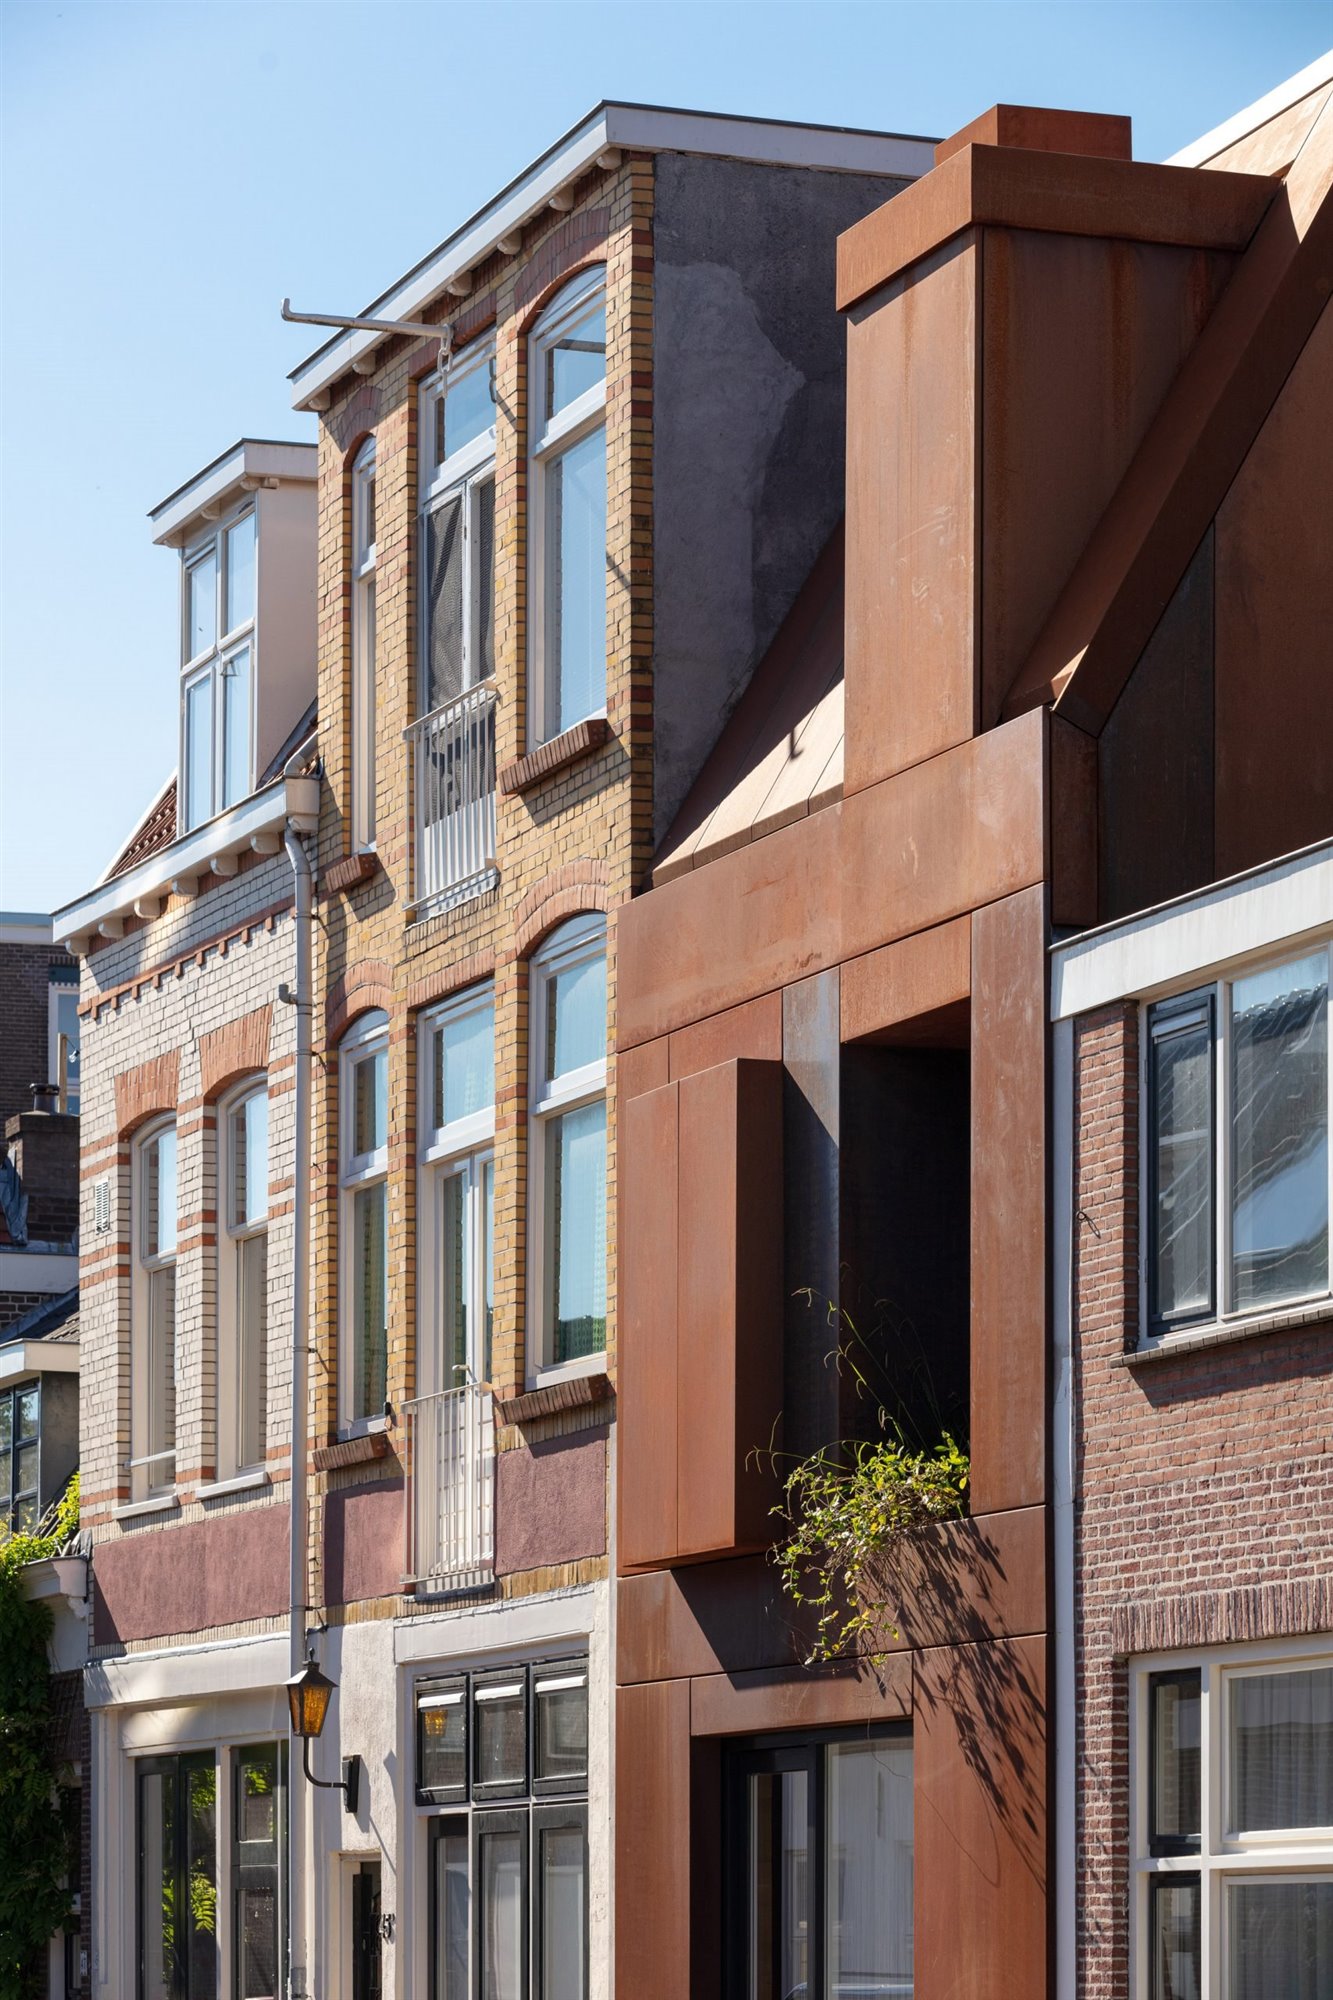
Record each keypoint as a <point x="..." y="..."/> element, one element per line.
<point x="248" y="462"/>
<point x="642" y="128"/>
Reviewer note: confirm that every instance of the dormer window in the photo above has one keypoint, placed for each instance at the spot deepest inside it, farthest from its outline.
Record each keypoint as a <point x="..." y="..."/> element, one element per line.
<point x="217" y="653"/>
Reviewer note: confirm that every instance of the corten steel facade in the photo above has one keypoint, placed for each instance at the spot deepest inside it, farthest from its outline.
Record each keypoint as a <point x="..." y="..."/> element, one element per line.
<point x="1083" y="671"/>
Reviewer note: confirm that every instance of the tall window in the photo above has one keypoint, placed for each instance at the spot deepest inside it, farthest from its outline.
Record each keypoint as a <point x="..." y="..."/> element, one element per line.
<point x="1237" y="1145"/>
<point x="153" y="1362"/>
<point x="64" y="1025"/>
<point x="567" y="1144"/>
<point x="363" y="1370"/>
<point x="820" y="1845"/>
<point x="567" y="498"/>
<point x="217" y="654"/>
<point x="211" y="1840"/>
<point x="363" y="647"/>
<point x="20" y="1435"/>
<point x="1232" y="1827"/>
<point x="456" y="1066"/>
<point x="502" y="1762"/>
<point x="457" y="453"/>
<point x="242" y="1279"/>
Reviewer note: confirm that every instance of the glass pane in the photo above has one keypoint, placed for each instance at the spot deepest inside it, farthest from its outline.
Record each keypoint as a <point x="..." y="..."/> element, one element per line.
<point x="1182" y="1096"/>
<point x="488" y="1263"/>
<point x="454" y="1275"/>
<point x="499" y="1753"/>
<point x="1279" y="1133"/>
<point x="236" y="728"/>
<point x="25" y="1471"/>
<point x="562" y="1727"/>
<point x="1280" y="1939"/>
<point x="1281" y="1750"/>
<point x="501" y="1939"/>
<point x="161" y="1376"/>
<point x="363" y="715"/>
<point x="199" y="751"/>
<point x="69" y="1025"/>
<point x="576" y="582"/>
<point x="370" y="1308"/>
<point x="868" y="1888"/>
<point x="449" y="1965"/>
<point x="576" y="1017"/>
<point x="464" y="1065"/>
<point x="370" y="1119"/>
<point x="241" y="572"/>
<point x="25" y="1516"/>
<point x="364" y="502"/>
<point x="564" y="1902"/>
<point x="257" y="1784"/>
<point x="442" y="1743"/>
<point x="6" y="1486"/>
<point x="199" y="1776"/>
<point x="157" y="1884"/>
<point x="483" y="583"/>
<point x="249" y="1140"/>
<point x="1174" y="1722"/>
<point x="252" y="1348"/>
<point x="469" y="407"/>
<point x="6" y="1421"/>
<point x="201" y="617"/>
<point x="28" y="1402"/>
<point x="444" y="603"/>
<point x="576" y="1178"/>
<point x="257" y="1947"/>
<point x="1174" y="1969"/>
<point x="780" y="1885"/>
<point x="576" y="361"/>
<point x="159" y="1184"/>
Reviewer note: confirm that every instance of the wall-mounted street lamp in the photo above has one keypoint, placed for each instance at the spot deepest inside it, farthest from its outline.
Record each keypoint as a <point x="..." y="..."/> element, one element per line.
<point x="308" y="1694"/>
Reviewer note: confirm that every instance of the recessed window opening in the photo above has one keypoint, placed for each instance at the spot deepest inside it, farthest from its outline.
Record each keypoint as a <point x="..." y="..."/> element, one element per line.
<point x="456" y="1068"/>
<point x="567" y="1145"/>
<point x="217" y="662"/>
<point x="363" y="648"/>
<point x="242" y="1279"/>
<point x="153" y="1313"/>
<point x="363" y="1234"/>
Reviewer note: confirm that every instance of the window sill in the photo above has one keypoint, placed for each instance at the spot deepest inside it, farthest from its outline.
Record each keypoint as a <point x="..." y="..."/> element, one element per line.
<point x="241" y="1482"/>
<point x="359" y="1450"/>
<point x="551" y="1394"/>
<point x="134" y="1510"/>
<point x="353" y="868"/>
<point x="567" y="748"/>
<point x="1223" y="1334"/>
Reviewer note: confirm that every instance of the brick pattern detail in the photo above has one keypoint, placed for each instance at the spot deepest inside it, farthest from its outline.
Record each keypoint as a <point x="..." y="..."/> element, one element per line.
<point x="366" y="984"/>
<point x="148" y="1088"/>
<point x="346" y="874"/>
<point x="236" y="1050"/>
<point x="527" y="772"/>
<point x="582" y="240"/>
<point x="350" y="1451"/>
<point x="1203" y="1486"/>
<point x="578" y="1393"/>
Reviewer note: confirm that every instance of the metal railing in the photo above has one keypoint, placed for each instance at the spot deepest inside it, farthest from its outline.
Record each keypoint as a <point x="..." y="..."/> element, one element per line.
<point x="452" y="776"/>
<point x="451" y="1490"/>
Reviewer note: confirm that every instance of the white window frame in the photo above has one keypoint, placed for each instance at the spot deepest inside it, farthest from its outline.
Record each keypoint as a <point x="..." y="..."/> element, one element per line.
<point x="1223" y="1858"/>
<point x="1215" y="991"/>
<point x="364" y="630"/>
<point x="213" y="663"/>
<point x="460" y="476"/>
<point x="550" y="438"/>
<point x="369" y="1036"/>
<point x="577" y="941"/>
<point x="232" y="1234"/>
<point x="463" y="1150"/>
<point x="146" y="1481"/>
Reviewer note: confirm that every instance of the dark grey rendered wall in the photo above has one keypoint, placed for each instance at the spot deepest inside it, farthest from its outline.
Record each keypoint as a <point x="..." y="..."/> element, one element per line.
<point x="749" y="380"/>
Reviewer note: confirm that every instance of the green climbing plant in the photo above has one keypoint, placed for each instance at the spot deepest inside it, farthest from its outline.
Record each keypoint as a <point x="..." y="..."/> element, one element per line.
<point x="35" y="1844"/>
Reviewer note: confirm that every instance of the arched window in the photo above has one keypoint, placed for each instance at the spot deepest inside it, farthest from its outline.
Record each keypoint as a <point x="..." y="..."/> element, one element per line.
<point x="242" y="1278"/>
<point x="363" y="648"/>
<point x="567" y="1146"/>
<point x="567" y="498"/>
<point x="153" y="1313"/>
<point x="363" y="1234"/>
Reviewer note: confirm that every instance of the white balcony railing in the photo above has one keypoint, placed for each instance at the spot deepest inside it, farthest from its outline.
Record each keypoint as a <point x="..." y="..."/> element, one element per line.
<point x="451" y="1490"/>
<point x="452" y="757"/>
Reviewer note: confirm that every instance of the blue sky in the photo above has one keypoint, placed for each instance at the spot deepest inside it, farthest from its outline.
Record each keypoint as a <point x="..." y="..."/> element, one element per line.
<point x="171" y="170"/>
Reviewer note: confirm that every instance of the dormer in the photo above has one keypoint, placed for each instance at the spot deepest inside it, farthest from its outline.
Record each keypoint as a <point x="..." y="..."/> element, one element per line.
<point x="246" y="530"/>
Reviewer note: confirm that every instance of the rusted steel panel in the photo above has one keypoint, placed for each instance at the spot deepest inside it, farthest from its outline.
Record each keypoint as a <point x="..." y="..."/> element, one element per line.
<point x="642" y="1069"/>
<point x="1100" y="134"/>
<point x="921" y="978"/>
<point x="1009" y="1346"/>
<point x="754" y="1703"/>
<point x="1072" y="826"/>
<point x="753" y="1030"/>
<point x="652" y="1837"/>
<point x="648" y="1474"/>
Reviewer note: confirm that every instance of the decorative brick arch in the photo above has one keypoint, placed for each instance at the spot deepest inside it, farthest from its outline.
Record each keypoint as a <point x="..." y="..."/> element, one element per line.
<point x="580" y="241"/>
<point x="573" y="890"/>
<point x="147" y="1091"/>
<point x="240" y="1048"/>
<point x="367" y="983"/>
<point x="350" y="426"/>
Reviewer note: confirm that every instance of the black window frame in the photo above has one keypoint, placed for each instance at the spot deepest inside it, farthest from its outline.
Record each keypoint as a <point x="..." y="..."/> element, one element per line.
<point x="9" y="1502"/>
<point x="550" y="1817"/>
<point x="251" y="1871"/>
<point x="448" y="1687"/>
<point x="176" y="1767"/>
<point x="1167" y="1018"/>
<point x="1169" y="1844"/>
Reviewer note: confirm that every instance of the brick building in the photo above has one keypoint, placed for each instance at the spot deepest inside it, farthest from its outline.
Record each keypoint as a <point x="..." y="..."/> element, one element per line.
<point x="572" y="519"/>
<point x="39" y="1103"/>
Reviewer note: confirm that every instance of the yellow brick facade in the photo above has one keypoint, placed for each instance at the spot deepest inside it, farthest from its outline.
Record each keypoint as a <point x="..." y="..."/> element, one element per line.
<point x="577" y="840"/>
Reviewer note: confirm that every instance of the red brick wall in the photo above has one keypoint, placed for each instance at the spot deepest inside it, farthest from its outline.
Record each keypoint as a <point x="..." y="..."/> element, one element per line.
<point x="1203" y="1484"/>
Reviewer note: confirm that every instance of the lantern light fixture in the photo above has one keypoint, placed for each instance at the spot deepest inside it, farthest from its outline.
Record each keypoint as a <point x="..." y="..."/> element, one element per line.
<point x="308" y="1695"/>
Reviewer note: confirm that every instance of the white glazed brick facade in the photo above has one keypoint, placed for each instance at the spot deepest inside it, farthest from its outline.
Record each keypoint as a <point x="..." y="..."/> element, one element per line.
<point x="151" y="1002"/>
